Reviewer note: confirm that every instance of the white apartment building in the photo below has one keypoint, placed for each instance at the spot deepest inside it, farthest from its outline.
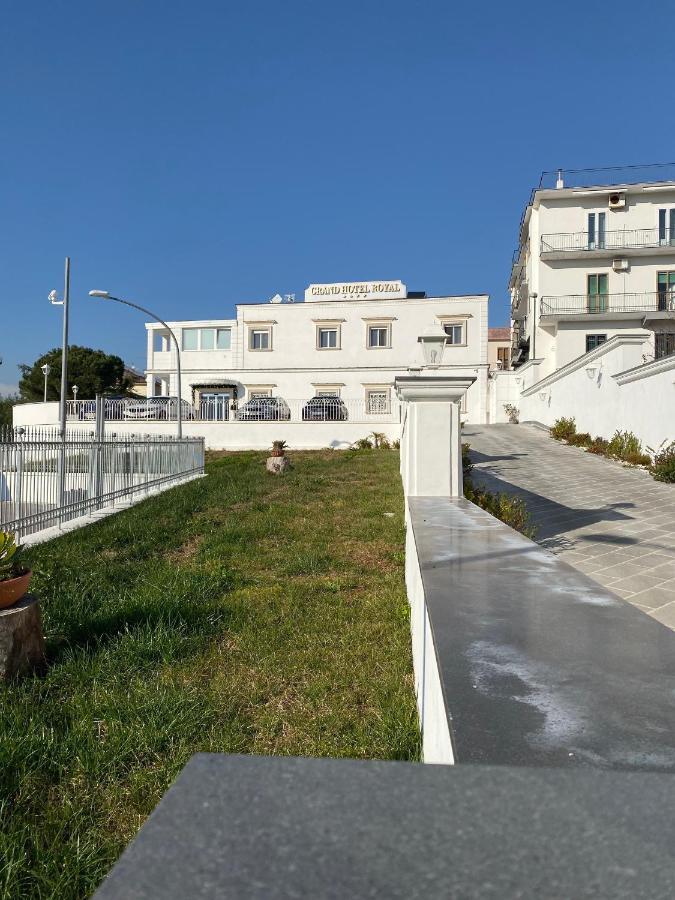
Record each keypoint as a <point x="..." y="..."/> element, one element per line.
<point x="348" y="340"/>
<point x="593" y="263"/>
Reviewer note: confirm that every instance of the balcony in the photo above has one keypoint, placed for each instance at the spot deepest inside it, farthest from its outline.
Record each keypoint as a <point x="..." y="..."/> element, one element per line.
<point x="658" y="305"/>
<point x="636" y="241"/>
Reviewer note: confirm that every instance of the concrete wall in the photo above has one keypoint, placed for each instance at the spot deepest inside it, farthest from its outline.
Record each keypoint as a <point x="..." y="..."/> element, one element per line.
<point x="625" y="393"/>
<point x="502" y="389"/>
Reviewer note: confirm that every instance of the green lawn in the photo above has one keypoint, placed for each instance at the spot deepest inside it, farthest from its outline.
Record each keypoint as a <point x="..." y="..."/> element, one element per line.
<point x="240" y="613"/>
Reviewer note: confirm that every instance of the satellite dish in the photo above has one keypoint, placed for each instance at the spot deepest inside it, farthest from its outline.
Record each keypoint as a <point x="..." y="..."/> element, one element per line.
<point x="276" y="299"/>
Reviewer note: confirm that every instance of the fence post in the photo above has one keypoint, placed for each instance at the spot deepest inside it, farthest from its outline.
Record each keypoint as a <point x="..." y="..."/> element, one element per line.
<point x="18" y="483"/>
<point x="431" y="441"/>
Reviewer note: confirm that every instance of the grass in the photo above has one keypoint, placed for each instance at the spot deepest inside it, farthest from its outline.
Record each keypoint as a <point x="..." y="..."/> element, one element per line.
<point x="240" y="613"/>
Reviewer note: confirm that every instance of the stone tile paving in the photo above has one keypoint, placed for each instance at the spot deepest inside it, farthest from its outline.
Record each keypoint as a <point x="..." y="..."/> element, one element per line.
<point x="610" y="521"/>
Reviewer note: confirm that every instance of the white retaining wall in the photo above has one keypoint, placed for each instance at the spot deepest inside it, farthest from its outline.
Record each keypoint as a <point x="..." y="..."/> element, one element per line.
<point x="609" y="389"/>
<point x="230" y="435"/>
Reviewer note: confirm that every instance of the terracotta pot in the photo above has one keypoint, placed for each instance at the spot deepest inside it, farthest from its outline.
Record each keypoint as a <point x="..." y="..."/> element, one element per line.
<point x="13" y="589"/>
<point x="276" y="452"/>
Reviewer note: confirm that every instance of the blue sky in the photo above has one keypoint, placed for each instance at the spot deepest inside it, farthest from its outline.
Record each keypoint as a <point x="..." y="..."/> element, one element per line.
<point x="192" y="155"/>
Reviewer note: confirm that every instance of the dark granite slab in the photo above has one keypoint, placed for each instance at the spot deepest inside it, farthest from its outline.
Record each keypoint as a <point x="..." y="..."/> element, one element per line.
<point x="266" y="827"/>
<point x="540" y="665"/>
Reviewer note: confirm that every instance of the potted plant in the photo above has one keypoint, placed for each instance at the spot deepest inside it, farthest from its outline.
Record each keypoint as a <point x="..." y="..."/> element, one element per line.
<point x="278" y="448"/>
<point x="14" y="578"/>
<point x="512" y="412"/>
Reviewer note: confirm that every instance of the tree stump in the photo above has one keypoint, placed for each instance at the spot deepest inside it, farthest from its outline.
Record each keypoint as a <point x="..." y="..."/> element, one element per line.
<point x="278" y="465"/>
<point x="22" y="643"/>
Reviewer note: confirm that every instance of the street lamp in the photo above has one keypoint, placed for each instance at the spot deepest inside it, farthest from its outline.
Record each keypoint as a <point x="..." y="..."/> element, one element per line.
<point x="54" y="300"/>
<point x="433" y="343"/>
<point x="106" y="295"/>
<point x="46" y="369"/>
<point x="75" y="390"/>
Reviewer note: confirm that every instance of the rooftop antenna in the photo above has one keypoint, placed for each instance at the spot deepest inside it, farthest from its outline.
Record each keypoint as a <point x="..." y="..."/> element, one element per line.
<point x="559" y="181"/>
<point x="289" y="298"/>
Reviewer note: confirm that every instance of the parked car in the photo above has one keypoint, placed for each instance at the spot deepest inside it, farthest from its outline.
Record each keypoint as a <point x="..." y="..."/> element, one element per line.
<point x="158" y="408"/>
<point x="325" y="409"/>
<point x="114" y="408"/>
<point x="264" y="409"/>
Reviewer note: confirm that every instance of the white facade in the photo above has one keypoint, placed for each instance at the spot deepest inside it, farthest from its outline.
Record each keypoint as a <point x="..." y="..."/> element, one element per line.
<point x="593" y="263"/>
<point x="351" y="340"/>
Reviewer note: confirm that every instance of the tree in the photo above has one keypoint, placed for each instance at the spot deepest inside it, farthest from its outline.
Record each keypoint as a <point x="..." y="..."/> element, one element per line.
<point x="6" y="404"/>
<point x="93" y="371"/>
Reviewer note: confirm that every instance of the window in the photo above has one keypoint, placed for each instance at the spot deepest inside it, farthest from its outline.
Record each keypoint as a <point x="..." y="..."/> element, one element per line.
<point x="664" y="344"/>
<point x="666" y="227"/>
<point x="597" y="293"/>
<point x="206" y="338"/>
<point x="224" y="338"/>
<point x="455" y="332"/>
<point x="504" y="357"/>
<point x="596" y="236"/>
<point x="327" y="338"/>
<point x="665" y="282"/>
<point x="594" y="340"/>
<point x="259" y="339"/>
<point x="191" y="339"/>
<point x="378" y="336"/>
<point x="377" y="401"/>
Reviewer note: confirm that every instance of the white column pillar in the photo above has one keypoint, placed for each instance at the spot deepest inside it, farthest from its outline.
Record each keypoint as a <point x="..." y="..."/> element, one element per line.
<point x="431" y="440"/>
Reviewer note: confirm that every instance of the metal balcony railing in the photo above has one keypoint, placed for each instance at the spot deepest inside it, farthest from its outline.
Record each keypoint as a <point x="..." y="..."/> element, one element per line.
<point x="584" y="241"/>
<point x="593" y="304"/>
<point x="378" y="408"/>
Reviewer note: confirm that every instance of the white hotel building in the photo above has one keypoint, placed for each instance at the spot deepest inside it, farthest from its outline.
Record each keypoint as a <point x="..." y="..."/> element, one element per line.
<point x="593" y="263"/>
<point x="348" y="340"/>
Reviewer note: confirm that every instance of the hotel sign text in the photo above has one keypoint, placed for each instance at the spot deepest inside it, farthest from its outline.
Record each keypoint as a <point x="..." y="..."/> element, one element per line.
<point x="357" y="290"/>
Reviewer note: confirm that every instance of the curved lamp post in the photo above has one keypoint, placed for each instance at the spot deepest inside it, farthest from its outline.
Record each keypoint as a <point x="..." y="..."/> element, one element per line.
<point x="106" y="295"/>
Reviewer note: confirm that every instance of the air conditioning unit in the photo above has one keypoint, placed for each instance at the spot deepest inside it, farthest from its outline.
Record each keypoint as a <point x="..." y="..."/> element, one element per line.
<point x="620" y="265"/>
<point x="617" y="200"/>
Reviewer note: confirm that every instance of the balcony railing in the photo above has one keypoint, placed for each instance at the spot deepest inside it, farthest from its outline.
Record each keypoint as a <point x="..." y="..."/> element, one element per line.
<point x="376" y="409"/>
<point x="594" y="304"/>
<point x="585" y="241"/>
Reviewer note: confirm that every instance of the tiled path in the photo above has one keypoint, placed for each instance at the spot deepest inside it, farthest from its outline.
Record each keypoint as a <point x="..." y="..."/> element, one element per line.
<point x="614" y="523"/>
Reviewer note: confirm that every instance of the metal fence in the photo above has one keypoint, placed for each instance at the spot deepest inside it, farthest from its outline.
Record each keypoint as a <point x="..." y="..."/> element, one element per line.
<point x="378" y="408"/>
<point x="46" y="480"/>
<point x="663" y="301"/>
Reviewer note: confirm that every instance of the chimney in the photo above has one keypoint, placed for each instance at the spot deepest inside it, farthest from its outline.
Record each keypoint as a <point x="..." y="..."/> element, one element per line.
<point x="559" y="182"/>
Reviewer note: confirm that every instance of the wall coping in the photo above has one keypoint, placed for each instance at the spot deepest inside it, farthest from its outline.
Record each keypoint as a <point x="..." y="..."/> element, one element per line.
<point x="539" y="665"/>
<point x="646" y="370"/>
<point x="581" y="361"/>
<point x="432" y="387"/>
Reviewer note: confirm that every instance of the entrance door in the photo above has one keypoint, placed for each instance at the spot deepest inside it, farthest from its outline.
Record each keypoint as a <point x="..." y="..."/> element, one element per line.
<point x="597" y="293"/>
<point x="214" y="406"/>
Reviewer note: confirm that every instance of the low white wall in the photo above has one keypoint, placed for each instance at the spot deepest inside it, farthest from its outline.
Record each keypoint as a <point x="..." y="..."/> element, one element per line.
<point x="36" y="414"/>
<point x="502" y="389"/>
<point x="436" y="741"/>
<point x="607" y="402"/>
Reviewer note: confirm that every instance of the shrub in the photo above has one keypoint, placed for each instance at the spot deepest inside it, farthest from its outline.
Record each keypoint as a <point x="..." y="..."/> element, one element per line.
<point x="582" y="439"/>
<point x="663" y="467"/>
<point x="598" y="445"/>
<point x="380" y="440"/>
<point x="563" y="429"/>
<point x="396" y="445"/>
<point x="467" y="465"/>
<point x="509" y="509"/>
<point x="624" y="443"/>
<point x="512" y="412"/>
<point x="363" y="443"/>
<point x="638" y="459"/>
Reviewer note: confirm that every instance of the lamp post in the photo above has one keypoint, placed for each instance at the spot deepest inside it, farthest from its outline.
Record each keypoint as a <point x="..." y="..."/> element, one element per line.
<point x="433" y="342"/>
<point x="46" y="369"/>
<point x="106" y="295"/>
<point x="75" y="390"/>
<point x="54" y="300"/>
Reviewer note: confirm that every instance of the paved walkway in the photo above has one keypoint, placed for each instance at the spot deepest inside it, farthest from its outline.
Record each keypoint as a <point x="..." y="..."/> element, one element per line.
<point x="612" y="522"/>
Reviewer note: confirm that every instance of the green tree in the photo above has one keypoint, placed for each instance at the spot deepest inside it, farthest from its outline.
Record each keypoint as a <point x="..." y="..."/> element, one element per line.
<point x="93" y="371"/>
<point x="6" y="404"/>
